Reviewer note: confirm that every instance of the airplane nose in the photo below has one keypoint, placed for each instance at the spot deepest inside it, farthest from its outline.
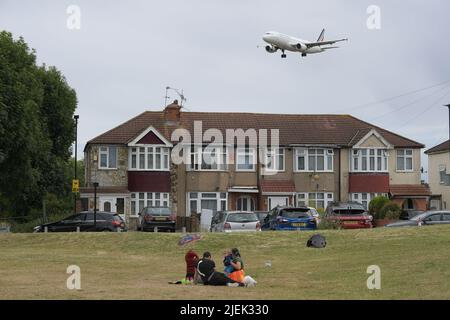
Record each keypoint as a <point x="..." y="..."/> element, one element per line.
<point x="266" y="37"/>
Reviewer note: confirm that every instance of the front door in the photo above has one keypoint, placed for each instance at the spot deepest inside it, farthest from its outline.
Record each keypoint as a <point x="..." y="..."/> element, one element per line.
<point x="108" y="204"/>
<point x="278" y="201"/>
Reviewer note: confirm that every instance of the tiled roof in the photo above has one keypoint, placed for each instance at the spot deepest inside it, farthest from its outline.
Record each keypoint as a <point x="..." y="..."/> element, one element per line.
<point x="277" y="186"/>
<point x="409" y="190"/>
<point x="309" y="129"/>
<point x="443" y="147"/>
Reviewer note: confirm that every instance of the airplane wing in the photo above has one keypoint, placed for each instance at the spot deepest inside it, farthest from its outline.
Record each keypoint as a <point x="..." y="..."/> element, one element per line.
<point x="323" y="43"/>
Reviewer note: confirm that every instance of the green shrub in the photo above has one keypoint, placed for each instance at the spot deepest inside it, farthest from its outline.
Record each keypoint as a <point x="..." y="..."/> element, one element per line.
<point x="328" y="224"/>
<point x="376" y="205"/>
<point x="391" y="211"/>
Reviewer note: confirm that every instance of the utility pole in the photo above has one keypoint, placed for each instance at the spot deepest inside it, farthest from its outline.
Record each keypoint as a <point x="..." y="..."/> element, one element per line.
<point x="95" y="205"/>
<point x="448" y="106"/>
<point x="75" y="173"/>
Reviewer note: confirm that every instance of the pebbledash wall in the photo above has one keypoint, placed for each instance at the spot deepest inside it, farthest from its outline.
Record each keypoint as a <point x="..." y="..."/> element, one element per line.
<point x="186" y="190"/>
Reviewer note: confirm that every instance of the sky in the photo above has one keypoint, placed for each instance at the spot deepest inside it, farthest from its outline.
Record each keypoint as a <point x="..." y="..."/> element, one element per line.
<point x="125" y="53"/>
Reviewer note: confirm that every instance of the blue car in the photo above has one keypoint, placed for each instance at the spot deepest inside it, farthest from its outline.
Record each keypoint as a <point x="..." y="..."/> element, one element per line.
<point x="289" y="218"/>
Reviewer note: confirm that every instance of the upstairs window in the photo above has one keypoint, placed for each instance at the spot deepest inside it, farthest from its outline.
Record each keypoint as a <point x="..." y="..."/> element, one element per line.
<point x="245" y="159"/>
<point x="275" y="159"/>
<point x="369" y="160"/>
<point x="314" y="159"/>
<point x="405" y="160"/>
<point x="208" y="159"/>
<point x="108" y="157"/>
<point x="149" y="158"/>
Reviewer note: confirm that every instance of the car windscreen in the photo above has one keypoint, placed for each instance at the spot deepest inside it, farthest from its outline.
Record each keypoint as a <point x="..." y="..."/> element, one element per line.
<point x="421" y="216"/>
<point x="242" y="217"/>
<point x="157" y="211"/>
<point x="349" y="211"/>
<point x="295" y="213"/>
<point x="116" y="217"/>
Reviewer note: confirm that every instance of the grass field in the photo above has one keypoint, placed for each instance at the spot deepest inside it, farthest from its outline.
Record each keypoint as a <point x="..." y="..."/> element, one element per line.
<point x="414" y="262"/>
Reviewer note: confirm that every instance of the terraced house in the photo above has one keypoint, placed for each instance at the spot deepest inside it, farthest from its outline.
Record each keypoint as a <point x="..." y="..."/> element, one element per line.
<point x="320" y="158"/>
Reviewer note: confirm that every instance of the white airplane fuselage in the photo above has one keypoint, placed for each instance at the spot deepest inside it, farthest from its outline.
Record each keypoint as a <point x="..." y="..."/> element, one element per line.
<point x="285" y="42"/>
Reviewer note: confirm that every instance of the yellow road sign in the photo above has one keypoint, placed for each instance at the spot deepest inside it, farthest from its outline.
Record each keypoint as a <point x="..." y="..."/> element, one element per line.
<point x="75" y="185"/>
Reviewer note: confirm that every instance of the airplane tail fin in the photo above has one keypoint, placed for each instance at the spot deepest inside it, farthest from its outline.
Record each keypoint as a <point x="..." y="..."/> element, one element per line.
<point x="321" y="36"/>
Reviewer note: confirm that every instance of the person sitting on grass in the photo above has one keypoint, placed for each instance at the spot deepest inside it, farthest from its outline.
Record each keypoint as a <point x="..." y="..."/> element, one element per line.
<point x="191" y="259"/>
<point x="228" y="258"/>
<point x="237" y="274"/>
<point x="206" y="270"/>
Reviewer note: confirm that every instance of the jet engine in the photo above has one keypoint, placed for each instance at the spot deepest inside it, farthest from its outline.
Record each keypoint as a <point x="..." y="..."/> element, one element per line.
<point x="300" y="46"/>
<point x="271" y="49"/>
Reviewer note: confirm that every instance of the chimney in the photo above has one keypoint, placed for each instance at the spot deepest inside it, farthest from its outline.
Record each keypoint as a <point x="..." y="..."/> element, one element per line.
<point x="172" y="112"/>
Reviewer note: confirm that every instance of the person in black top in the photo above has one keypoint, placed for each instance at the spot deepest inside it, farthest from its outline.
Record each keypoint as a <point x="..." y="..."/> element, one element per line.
<point x="206" y="270"/>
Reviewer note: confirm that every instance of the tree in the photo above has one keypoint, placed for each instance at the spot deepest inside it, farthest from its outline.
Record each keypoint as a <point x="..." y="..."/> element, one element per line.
<point x="36" y="128"/>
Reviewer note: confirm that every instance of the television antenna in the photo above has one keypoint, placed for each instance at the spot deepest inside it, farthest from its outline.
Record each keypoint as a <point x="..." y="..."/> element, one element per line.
<point x="177" y="91"/>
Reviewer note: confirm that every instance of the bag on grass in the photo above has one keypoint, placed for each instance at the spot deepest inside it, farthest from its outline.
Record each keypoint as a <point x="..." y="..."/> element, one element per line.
<point x="317" y="241"/>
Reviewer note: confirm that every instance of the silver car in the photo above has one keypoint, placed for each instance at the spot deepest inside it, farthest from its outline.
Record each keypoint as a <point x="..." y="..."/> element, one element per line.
<point x="428" y="218"/>
<point x="235" y="221"/>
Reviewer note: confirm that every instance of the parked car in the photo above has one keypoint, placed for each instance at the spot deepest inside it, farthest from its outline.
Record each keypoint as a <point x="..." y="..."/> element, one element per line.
<point x="235" y="221"/>
<point x="349" y="215"/>
<point x="161" y="217"/>
<point x="315" y="214"/>
<point x="427" y="218"/>
<point x="289" y="218"/>
<point x="105" y="221"/>
<point x="261" y="215"/>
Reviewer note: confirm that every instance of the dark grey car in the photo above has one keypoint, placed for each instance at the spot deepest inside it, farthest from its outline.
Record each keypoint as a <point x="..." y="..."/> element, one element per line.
<point x="426" y="218"/>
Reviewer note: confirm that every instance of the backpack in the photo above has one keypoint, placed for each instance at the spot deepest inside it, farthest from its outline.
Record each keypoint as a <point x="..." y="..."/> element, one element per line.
<point x="317" y="241"/>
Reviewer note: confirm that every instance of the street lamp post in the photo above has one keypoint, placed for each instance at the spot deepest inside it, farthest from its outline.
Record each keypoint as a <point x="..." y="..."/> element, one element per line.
<point x="448" y="106"/>
<point x="75" y="173"/>
<point x="95" y="205"/>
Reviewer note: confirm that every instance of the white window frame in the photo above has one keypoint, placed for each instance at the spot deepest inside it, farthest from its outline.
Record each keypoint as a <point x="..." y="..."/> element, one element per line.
<point x="106" y="152"/>
<point x="246" y="152"/>
<point x="364" y="198"/>
<point x="272" y="159"/>
<point x="146" y="151"/>
<point x="363" y="156"/>
<point x="304" y="198"/>
<point x="328" y="159"/>
<point x="250" y="202"/>
<point x="196" y="154"/>
<point x="197" y="197"/>
<point x="149" y="199"/>
<point x="404" y="156"/>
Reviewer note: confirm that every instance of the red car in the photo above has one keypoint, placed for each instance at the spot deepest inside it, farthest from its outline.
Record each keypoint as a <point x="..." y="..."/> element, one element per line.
<point x="349" y="215"/>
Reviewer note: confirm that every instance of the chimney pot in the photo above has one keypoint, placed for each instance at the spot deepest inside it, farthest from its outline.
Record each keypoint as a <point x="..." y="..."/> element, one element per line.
<point x="172" y="112"/>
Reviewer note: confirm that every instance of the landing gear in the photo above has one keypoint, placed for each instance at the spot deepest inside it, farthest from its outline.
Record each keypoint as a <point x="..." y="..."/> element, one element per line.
<point x="303" y="54"/>
<point x="283" y="55"/>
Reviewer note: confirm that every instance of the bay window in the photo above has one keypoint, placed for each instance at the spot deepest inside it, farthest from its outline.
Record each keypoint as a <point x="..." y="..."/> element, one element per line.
<point x="140" y="200"/>
<point x="369" y="160"/>
<point x="149" y="158"/>
<point x="314" y="199"/>
<point x="215" y="201"/>
<point x="315" y="159"/>
<point x="365" y="197"/>
<point x="405" y="160"/>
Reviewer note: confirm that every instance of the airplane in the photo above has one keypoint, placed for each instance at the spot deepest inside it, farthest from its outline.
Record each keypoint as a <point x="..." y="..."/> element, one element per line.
<point x="278" y="41"/>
